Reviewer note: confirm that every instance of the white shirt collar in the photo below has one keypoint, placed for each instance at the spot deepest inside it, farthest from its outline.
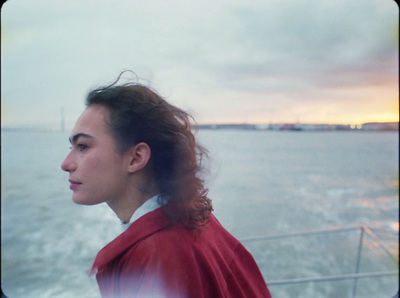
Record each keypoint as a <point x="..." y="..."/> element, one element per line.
<point x="148" y="206"/>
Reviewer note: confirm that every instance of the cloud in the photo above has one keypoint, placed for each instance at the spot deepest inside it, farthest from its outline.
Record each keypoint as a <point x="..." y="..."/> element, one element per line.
<point x="199" y="54"/>
<point x="312" y="41"/>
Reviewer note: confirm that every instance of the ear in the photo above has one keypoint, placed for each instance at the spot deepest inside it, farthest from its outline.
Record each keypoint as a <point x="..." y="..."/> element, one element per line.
<point x="139" y="156"/>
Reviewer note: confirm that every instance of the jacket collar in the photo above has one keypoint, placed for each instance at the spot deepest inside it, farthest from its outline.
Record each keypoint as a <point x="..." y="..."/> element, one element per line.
<point x="148" y="224"/>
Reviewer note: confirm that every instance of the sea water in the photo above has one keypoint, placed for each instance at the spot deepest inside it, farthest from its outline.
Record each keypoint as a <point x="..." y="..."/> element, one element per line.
<point x="261" y="183"/>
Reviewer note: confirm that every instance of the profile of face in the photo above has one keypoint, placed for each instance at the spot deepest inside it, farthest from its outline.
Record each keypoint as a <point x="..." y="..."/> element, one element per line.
<point x="98" y="172"/>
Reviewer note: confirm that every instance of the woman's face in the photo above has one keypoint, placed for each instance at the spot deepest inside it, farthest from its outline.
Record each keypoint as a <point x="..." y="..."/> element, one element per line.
<point x="97" y="171"/>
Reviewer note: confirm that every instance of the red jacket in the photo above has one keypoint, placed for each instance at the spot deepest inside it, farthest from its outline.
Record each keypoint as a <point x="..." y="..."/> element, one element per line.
<point x="155" y="259"/>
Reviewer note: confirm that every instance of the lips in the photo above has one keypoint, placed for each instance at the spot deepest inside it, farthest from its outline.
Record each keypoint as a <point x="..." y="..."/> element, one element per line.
<point x="74" y="184"/>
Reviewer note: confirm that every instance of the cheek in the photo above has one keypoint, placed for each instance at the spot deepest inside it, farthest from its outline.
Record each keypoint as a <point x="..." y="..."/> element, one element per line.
<point x="99" y="164"/>
<point x="103" y="166"/>
<point x="108" y="171"/>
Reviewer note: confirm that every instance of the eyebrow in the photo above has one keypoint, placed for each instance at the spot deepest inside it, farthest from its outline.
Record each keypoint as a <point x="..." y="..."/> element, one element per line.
<point x="79" y="135"/>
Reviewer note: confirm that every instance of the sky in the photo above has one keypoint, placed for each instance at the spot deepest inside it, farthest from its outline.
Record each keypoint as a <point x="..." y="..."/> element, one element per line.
<point x="223" y="61"/>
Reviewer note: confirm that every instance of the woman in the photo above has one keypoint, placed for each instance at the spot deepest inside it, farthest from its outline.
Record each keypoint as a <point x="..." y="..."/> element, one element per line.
<point x="136" y="152"/>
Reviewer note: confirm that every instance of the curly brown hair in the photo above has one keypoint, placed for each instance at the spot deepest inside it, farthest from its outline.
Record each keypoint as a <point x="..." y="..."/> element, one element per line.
<point x="139" y="114"/>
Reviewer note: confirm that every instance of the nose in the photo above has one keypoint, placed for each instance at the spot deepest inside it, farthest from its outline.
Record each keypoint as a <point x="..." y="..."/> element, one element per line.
<point x="68" y="164"/>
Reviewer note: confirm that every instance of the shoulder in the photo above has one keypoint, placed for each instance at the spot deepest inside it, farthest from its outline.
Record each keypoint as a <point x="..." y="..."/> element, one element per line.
<point x="178" y="252"/>
<point x="162" y="245"/>
<point x="160" y="262"/>
<point x="211" y="248"/>
<point x="183" y="263"/>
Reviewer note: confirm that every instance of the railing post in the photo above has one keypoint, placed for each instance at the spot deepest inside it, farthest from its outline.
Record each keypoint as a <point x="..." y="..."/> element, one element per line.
<point x="360" y="245"/>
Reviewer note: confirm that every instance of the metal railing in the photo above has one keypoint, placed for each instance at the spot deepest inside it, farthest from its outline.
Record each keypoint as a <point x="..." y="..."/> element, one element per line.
<point x="363" y="231"/>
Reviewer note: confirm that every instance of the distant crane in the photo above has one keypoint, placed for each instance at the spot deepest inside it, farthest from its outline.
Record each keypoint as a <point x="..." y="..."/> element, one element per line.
<point x="62" y="119"/>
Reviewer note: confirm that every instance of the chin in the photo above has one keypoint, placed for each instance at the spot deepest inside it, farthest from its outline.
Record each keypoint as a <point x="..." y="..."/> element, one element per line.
<point x="83" y="201"/>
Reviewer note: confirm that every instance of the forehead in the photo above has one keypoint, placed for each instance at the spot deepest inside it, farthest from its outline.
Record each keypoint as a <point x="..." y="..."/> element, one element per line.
<point x="93" y="121"/>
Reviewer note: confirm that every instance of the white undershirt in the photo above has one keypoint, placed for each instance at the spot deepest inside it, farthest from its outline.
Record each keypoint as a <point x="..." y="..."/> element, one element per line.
<point x="148" y="206"/>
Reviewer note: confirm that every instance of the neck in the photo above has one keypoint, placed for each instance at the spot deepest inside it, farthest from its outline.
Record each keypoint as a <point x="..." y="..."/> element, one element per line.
<point x="139" y="188"/>
<point x="124" y="209"/>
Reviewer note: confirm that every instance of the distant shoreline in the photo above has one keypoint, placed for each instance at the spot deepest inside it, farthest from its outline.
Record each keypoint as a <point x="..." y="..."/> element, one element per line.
<point x="369" y="126"/>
